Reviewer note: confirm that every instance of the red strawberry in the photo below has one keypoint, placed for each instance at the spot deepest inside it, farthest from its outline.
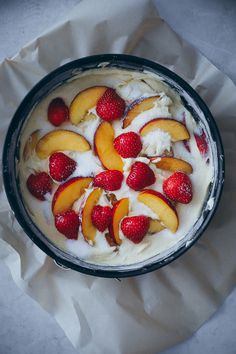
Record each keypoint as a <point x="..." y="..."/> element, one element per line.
<point x="109" y="180"/>
<point x="61" y="166"/>
<point x="101" y="217"/>
<point x="135" y="227"/>
<point x="201" y="141"/>
<point x="39" y="184"/>
<point x="58" y="111"/>
<point x="110" y="106"/>
<point x="67" y="223"/>
<point x="178" y="187"/>
<point x="128" y="144"/>
<point x="140" y="176"/>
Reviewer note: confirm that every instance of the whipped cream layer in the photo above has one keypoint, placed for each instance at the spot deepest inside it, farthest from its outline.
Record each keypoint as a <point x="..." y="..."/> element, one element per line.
<point x="131" y="86"/>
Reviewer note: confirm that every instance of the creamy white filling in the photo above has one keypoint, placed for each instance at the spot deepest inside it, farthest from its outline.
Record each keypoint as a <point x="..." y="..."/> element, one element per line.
<point x="131" y="86"/>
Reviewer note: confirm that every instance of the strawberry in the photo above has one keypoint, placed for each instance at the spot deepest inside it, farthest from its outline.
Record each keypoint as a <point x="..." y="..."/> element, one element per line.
<point x="39" y="184"/>
<point x="109" y="180"/>
<point x="201" y="141"/>
<point x="135" y="227"/>
<point x="101" y="217"/>
<point x="140" y="176"/>
<point x="178" y="188"/>
<point x="61" y="166"/>
<point x="128" y="144"/>
<point x="67" y="223"/>
<point x="58" y="111"/>
<point x="110" y="106"/>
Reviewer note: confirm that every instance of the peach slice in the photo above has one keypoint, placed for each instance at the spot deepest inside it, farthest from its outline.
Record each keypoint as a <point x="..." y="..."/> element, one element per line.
<point x="161" y="206"/>
<point x="173" y="164"/>
<point x="177" y="130"/>
<point x="61" y="140"/>
<point x="137" y="108"/>
<point x="68" y="192"/>
<point x="30" y="144"/>
<point x="103" y="144"/>
<point x="155" y="226"/>
<point x="119" y="211"/>
<point x="84" y="101"/>
<point x="88" y="229"/>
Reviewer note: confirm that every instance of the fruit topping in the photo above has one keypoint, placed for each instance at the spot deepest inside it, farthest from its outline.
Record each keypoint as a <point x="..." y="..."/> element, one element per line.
<point x="61" y="140"/>
<point x="101" y="217"/>
<point x="68" y="192"/>
<point x="119" y="211"/>
<point x="67" y="223"/>
<point x="173" y="164"/>
<point x="58" y="112"/>
<point x="128" y="144"/>
<point x="61" y="166"/>
<point x="161" y="206"/>
<point x="83" y="102"/>
<point x="202" y="144"/>
<point x="104" y="148"/>
<point x="135" y="227"/>
<point x="155" y="226"/>
<point x="110" y="180"/>
<point x="110" y="106"/>
<point x="139" y="107"/>
<point x="178" y="187"/>
<point x="140" y="176"/>
<point x="88" y="228"/>
<point x="39" y="184"/>
<point x="177" y="130"/>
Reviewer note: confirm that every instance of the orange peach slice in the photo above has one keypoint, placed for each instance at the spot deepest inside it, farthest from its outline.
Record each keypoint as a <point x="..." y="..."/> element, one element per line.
<point x="161" y="206"/>
<point x="155" y="226"/>
<point x="103" y="144"/>
<point x="88" y="229"/>
<point x="119" y="211"/>
<point x="61" y="140"/>
<point x="30" y="144"/>
<point x="177" y="130"/>
<point x="173" y="164"/>
<point x="84" y="101"/>
<point x="68" y="192"/>
<point x="139" y="107"/>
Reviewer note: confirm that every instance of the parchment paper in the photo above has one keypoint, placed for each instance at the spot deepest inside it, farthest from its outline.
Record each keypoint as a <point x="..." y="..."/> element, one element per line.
<point x="146" y="314"/>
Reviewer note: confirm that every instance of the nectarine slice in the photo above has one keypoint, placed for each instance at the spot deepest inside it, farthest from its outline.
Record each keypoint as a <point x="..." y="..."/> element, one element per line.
<point x="61" y="140"/>
<point x="68" y="192"/>
<point x="84" y="101"/>
<point x="155" y="226"/>
<point x="88" y="229"/>
<point x="173" y="164"/>
<point x="177" y="130"/>
<point x="161" y="206"/>
<point x="119" y="211"/>
<point x="103" y="143"/>
<point x="139" y="107"/>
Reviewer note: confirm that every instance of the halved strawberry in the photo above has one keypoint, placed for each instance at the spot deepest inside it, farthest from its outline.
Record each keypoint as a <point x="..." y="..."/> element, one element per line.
<point x="58" y="111"/>
<point x="128" y="144"/>
<point x="140" y="176"/>
<point x="110" y="106"/>
<point x="67" y="223"/>
<point x="101" y="217"/>
<point x="109" y="180"/>
<point x="178" y="187"/>
<point x="39" y="184"/>
<point x="202" y="144"/>
<point x="135" y="227"/>
<point x="61" y="166"/>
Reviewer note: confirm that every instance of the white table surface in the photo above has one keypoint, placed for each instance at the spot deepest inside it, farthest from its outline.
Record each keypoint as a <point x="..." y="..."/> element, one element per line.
<point x="209" y="25"/>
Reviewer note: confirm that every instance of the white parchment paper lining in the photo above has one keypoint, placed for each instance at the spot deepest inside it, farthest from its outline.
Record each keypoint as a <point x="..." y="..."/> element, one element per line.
<point x="149" y="313"/>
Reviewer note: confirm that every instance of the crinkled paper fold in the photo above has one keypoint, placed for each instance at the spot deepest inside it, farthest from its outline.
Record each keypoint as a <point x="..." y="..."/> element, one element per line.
<point x="157" y="309"/>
